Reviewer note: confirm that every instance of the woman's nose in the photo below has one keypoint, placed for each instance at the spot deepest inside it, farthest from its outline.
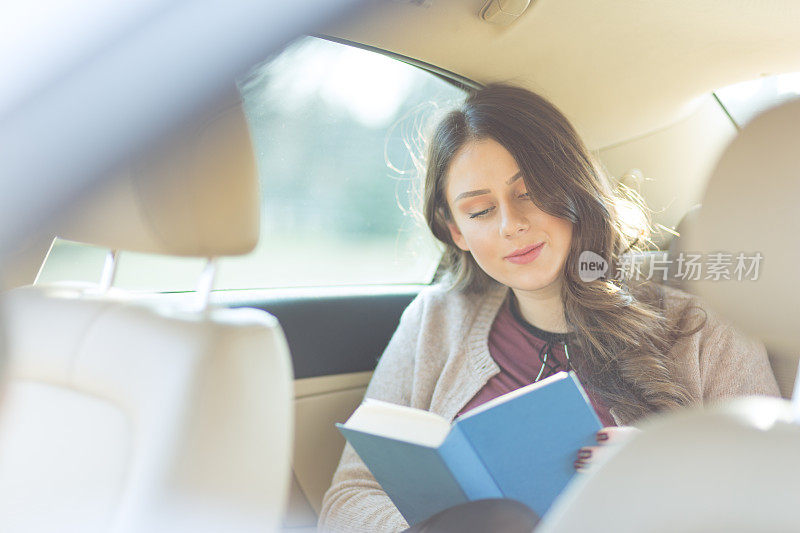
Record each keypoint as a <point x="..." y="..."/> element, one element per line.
<point x="513" y="222"/>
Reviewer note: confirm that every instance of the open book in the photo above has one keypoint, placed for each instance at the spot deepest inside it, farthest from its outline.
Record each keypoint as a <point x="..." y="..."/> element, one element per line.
<point x="520" y="445"/>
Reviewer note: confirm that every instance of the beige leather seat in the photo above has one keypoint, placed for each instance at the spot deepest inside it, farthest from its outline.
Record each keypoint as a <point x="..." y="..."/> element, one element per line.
<point x="784" y="365"/>
<point x="129" y="414"/>
<point x="733" y="467"/>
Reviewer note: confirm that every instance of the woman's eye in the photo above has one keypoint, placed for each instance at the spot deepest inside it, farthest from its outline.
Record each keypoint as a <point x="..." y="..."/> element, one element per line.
<point x="525" y="195"/>
<point x="480" y="213"/>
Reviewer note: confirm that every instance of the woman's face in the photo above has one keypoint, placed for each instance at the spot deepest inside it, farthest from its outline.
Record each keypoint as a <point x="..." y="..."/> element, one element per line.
<point x="495" y="218"/>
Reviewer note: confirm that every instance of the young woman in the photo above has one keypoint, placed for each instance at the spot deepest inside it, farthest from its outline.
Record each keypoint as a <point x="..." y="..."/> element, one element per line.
<point x="516" y="197"/>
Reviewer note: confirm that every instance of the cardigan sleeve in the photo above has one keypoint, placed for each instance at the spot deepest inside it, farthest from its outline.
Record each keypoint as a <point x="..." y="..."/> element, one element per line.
<point x="733" y="364"/>
<point x="355" y="501"/>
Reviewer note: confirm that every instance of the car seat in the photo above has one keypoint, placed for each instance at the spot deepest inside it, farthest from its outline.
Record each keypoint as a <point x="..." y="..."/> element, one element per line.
<point x="127" y="413"/>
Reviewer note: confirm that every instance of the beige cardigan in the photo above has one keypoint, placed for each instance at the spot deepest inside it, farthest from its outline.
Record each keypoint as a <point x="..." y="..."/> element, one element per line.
<point x="438" y="359"/>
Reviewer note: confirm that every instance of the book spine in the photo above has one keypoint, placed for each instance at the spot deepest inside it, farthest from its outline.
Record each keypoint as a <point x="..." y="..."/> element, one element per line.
<point x="467" y="468"/>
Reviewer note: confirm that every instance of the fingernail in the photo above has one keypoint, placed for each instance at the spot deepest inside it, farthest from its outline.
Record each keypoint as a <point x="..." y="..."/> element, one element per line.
<point x="602" y="436"/>
<point x="584" y="454"/>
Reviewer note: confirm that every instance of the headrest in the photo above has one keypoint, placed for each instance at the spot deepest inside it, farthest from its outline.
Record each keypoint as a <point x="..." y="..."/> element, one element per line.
<point x="750" y="206"/>
<point x="195" y="195"/>
<point x="677" y="245"/>
<point x="687" y="223"/>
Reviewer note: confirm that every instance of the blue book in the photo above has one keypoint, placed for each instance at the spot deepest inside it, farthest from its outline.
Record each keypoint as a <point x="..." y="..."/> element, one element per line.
<point x="521" y="445"/>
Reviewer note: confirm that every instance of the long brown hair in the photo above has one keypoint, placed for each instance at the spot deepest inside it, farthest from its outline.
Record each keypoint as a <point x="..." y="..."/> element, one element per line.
<point x="621" y="328"/>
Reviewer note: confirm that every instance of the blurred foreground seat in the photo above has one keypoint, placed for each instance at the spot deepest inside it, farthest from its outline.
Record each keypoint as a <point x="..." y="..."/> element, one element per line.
<point x="734" y="466"/>
<point x="131" y="414"/>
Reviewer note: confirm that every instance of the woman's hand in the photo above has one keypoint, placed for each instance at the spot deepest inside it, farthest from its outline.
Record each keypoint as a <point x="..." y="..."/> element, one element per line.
<point x="607" y="438"/>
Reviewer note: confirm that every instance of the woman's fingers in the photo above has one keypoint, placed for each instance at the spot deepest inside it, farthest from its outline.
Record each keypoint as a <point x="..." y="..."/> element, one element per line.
<point x="589" y="455"/>
<point x="592" y="455"/>
<point x="615" y="435"/>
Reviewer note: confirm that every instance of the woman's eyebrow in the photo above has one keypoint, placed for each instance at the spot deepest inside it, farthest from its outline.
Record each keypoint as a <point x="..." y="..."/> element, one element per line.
<point x="514" y="178"/>
<point x="469" y="194"/>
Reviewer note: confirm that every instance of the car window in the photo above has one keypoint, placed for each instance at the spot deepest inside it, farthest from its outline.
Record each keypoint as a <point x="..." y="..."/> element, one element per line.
<point x="745" y="100"/>
<point x="334" y="129"/>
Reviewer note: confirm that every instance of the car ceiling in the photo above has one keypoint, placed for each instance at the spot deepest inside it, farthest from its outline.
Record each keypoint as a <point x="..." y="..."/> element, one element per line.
<point x="619" y="70"/>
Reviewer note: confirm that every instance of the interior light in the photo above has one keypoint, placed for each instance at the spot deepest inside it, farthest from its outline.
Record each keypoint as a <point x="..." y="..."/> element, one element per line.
<point x="503" y="12"/>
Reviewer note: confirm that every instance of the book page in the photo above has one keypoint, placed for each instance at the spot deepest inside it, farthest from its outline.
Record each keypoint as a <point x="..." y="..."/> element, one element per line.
<point x="399" y="422"/>
<point x="513" y="394"/>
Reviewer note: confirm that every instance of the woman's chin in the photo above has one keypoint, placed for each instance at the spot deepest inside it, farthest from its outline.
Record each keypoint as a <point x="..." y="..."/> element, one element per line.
<point x="532" y="283"/>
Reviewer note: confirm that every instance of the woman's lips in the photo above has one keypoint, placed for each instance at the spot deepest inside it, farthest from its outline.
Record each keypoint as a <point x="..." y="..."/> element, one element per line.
<point x="526" y="257"/>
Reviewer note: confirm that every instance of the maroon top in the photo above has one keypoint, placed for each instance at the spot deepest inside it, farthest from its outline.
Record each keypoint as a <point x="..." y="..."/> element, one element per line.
<point x="519" y="349"/>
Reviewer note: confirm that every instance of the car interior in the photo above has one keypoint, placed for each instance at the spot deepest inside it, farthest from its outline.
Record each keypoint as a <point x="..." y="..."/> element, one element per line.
<point x="181" y="339"/>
